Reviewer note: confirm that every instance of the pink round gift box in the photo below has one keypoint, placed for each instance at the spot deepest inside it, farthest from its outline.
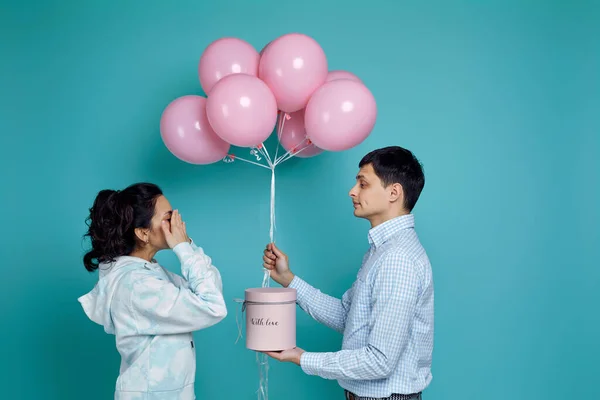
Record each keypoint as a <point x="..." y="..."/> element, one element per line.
<point x="270" y="319"/>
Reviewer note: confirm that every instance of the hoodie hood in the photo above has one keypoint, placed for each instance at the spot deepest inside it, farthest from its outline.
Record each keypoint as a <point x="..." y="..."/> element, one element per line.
<point x="97" y="303"/>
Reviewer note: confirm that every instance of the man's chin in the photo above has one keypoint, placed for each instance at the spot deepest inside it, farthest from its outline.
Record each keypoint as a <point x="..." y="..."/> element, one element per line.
<point x="358" y="214"/>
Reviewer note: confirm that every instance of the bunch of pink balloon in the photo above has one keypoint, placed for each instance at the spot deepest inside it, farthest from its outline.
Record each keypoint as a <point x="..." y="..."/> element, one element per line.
<point x="246" y="91"/>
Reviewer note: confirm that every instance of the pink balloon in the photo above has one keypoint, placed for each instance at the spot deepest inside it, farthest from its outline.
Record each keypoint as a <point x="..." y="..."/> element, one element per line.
<point x="224" y="57"/>
<point x="293" y="66"/>
<point x="242" y="110"/>
<point x="340" y="115"/>
<point x="339" y="74"/>
<point x="293" y="137"/>
<point x="185" y="130"/>
<point x="263" y="49"/>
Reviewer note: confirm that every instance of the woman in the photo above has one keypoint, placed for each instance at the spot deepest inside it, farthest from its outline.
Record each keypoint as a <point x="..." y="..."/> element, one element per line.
<point x="150" y="310"/>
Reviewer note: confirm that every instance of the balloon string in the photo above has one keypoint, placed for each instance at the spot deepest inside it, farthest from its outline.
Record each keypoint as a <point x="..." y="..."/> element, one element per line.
<point x="279" y="133"/>
<point x="262" y="359"/>
<point x="266" y="152"/>
<point x="282" y="118"/>
<point x="263" y="363"/>
<point x="272" y="228"/>
<point x="263" y="150"/>
<point x="234" y="157"/>
<point x="291" y="154"/>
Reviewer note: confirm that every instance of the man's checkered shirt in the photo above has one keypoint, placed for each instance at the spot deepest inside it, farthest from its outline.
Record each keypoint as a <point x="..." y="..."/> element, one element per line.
<point x="386" y="317"/>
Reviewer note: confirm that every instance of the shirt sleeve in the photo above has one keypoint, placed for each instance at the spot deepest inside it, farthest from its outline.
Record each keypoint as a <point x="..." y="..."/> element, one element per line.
<point x="393" y="300"/>
<point x="160" y="307"/>
<point x="328" y="310"/>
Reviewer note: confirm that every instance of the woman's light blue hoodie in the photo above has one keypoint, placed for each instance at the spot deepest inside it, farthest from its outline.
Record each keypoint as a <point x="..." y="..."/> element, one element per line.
<point x="152" y="313"/>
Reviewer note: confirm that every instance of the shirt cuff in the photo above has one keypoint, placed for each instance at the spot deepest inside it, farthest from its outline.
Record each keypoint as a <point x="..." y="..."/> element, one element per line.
<point x="302" y="288"/>
<point x="310" y="363"/>
<point x="183" y="249"/>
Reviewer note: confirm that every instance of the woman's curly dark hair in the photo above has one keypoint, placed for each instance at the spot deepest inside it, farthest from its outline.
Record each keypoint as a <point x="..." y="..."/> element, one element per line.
<point x="113" y="219"/>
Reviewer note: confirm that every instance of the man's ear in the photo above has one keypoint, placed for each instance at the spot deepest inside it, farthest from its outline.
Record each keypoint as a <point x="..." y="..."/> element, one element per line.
<point x="396" y="193"/>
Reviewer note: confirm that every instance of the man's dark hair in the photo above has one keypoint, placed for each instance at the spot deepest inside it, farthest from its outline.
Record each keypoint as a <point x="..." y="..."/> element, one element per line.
<point x="395" y="164"/>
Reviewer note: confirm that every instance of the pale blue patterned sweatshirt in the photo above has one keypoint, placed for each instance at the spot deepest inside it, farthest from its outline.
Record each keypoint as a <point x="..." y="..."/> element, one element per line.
<point x="152" y="313"/>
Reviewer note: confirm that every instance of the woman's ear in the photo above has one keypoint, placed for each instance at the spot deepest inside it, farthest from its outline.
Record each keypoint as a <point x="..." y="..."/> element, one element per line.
<point x="142" y="234"/>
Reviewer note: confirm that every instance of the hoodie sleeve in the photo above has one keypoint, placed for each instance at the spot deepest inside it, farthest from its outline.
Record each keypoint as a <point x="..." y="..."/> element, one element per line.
<point x="160" y="307"/>
<point x="179" y="281"/>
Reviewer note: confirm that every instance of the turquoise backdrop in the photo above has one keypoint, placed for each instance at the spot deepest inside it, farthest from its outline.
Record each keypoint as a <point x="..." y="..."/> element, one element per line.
<point x="499" y="100"/>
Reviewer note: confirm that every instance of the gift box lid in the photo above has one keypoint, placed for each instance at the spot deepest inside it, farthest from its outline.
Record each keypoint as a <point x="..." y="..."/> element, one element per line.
<point x="270" y="295"/>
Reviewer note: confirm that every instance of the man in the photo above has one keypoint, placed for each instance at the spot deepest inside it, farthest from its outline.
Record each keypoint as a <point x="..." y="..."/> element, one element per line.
<point x="386" y="317"/>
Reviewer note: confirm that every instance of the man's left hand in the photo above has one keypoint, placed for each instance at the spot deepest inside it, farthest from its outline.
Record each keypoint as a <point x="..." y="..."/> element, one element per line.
<point x="291" y="355"/>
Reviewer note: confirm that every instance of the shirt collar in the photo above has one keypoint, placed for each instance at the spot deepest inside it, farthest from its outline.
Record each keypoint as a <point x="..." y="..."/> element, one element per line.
<point x="382" y="232"/>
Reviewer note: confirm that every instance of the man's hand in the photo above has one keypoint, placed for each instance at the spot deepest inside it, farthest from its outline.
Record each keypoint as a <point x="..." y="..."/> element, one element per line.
<point x="277" y="262"/>
<point x="291" y="355"/>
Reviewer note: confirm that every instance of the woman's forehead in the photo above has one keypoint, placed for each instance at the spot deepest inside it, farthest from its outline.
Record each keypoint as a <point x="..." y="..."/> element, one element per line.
<point x="162" y="205"/>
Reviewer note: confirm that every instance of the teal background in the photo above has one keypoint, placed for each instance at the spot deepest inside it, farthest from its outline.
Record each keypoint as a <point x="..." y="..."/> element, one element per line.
<point x="500" y="101"/>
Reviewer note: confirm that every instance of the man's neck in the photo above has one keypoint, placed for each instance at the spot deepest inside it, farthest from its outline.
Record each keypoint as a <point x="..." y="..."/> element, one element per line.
<point x="379" y="219"/>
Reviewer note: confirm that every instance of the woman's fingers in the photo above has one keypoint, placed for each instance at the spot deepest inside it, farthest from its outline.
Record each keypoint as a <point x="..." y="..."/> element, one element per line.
<point x="176" y="219"/>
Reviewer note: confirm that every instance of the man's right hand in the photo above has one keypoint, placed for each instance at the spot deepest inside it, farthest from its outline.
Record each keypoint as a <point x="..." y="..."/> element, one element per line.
<point x="277" y="262"/>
